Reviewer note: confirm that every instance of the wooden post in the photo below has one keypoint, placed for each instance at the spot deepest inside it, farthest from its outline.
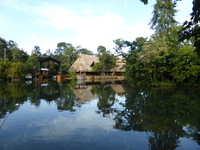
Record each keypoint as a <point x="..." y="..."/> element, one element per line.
<point x="59" y="78"/>
<point x="40" y="78"/>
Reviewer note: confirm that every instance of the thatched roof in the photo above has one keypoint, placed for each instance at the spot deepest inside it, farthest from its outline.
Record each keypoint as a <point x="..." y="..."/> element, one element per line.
<point x="84" y="63"/>
<point x="120" y="66"/>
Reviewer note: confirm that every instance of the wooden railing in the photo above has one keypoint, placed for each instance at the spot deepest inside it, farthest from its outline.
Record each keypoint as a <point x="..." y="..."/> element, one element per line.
<point x="100" y="77"/>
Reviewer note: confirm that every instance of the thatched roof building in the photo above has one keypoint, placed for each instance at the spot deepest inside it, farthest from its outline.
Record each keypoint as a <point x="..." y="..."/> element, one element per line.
<point x="84" y="63"/>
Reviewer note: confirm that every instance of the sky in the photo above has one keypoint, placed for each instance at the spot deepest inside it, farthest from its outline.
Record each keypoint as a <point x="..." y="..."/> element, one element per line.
<point x="85" y="23"/>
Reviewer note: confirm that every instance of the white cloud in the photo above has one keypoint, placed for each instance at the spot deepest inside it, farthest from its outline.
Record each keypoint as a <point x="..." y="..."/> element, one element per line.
<point x="90" y="29"/>
<point x="62" y="126"/>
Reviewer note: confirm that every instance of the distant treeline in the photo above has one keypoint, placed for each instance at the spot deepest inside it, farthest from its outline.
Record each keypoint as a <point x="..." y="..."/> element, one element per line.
<point x="158" y="59"/>
<point x="16" y="63"/>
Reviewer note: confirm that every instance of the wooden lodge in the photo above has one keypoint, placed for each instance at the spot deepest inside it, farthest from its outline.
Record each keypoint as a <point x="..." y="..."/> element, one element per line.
<point x="83" y="68"/>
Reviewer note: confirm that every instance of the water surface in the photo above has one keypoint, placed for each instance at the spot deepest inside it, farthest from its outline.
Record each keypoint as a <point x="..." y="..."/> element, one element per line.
<point x="98" y="116"/>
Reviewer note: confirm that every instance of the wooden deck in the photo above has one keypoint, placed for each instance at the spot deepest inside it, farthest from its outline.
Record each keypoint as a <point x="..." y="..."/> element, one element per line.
<point x="87" y="78"/>
<point x="104" y="78"/>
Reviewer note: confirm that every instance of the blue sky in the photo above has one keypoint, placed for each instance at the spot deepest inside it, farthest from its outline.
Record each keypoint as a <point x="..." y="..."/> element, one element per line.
<point x="85" y="23"/>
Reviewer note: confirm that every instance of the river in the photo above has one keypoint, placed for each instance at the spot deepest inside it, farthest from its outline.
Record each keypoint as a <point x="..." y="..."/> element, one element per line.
<point x="100" y="116"/>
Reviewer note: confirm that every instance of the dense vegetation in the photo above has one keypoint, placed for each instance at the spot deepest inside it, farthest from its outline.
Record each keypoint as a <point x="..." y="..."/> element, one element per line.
<point x="16" y="63"/>
<point x="107" y="61"/>
<point x="171" y="55"/>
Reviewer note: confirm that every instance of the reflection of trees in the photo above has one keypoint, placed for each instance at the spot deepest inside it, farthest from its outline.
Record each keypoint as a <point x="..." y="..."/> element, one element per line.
<point x="106" y="99"/>
<point x="67" y="99"/>
<point x="14" y="94"/>
<point x="165" y="140"/>
<point x="61" y="93"/>
<point x="162" y="112"/>
<point x="11" y="96"/>
<point x="49" y="91"/>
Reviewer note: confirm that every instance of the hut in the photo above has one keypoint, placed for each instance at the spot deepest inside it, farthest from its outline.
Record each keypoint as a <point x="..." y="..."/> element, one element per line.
<point x="83" y="68"/>
<point x="120" y="67"/>
<point x="83" y="64"/>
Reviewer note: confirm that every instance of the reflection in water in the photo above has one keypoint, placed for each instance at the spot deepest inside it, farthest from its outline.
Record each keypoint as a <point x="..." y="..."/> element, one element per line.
<point x="165" y="115"/>
<point x="84" y="93"/>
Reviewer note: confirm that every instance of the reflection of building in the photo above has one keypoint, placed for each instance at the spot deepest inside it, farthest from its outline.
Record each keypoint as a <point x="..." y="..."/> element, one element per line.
<point x="118" y="88"/>
<point x="84" y="93"/>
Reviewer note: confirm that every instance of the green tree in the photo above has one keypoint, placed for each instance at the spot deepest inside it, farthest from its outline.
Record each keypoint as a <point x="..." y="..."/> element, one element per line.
<point x="135" y="45"/>
<point x="107" y="61"/>
<point x="37" y="50"/>
<point x="19" y="55"/>
<point x="134" y="68"/>
<point x="60" y="48"/>
<point x="12" y="44"/>
<point x="144" y="1"/>
<point x="133" y="65"/>
<point x="32" y="64"/>
<point x="80" y="50"/>
<point x="67" y="53"/>
<point x="192" y="28"/>
<point x="16" y="71"/>
<point x="4" y="65"/>
<point x="186" y="68"/>
<point x="3" y="47"/>
<point x="101" y="49"/>
<point x="163" y="16"/>
<point x="119" y="45"/>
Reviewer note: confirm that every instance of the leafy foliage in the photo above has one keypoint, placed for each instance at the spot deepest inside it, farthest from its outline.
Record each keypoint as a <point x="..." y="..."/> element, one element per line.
<point x="163" y="16"/>
<point x="191" y="29"/>
<point x="67" y="53"/>
<point x="4" y="65"/>
<point x="107" y="61"/>
<point x="16" y="70"/>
